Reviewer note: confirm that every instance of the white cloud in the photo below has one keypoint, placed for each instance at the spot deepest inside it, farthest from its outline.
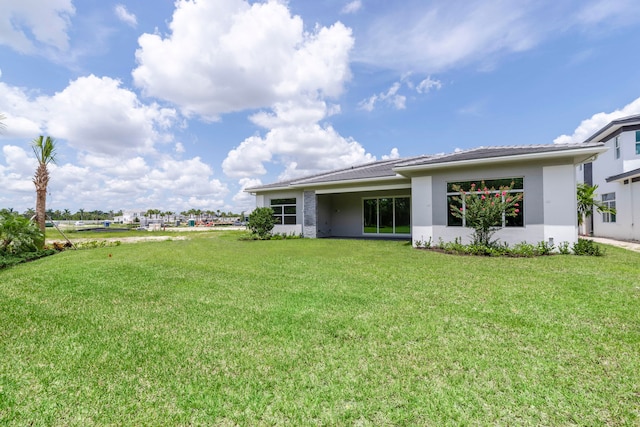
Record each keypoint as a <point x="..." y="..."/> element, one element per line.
<point x="117" y="163"/>
<point x="28" y="26"/>
<point x="97" y="115"/>
<point x="394" y="154"/>
<point x="392" y="96"/>
<point x="352" y="7"/>
<point x="591" y="125"/>
<point x="427" y="84"/>
<point x="229" y="55"/>
<point x="243" y="200"/>
<point x="298" y="141"/>
<point x="439" y="35"/>
<point x="125" y="16"/>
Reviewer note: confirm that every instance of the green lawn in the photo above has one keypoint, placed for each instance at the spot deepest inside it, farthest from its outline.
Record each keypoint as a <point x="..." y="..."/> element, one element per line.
<point x="217" y="331"/>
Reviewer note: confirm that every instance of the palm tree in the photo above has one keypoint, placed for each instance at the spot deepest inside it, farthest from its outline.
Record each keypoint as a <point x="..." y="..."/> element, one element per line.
<point x="45" y="151"/>
<point x="2" y="119"/>
<point x="587" y="200"/>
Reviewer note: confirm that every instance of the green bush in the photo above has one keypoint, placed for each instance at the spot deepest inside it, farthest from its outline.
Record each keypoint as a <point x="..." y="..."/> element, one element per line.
<point x="18" y="235"/>
<point x="587" y="247"/>
<point x="261" y="222"/>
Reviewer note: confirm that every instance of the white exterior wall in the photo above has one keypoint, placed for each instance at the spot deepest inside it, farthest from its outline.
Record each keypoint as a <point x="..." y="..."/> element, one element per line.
<point x="264" y="200"/>
<point x="627" y="196"/>
<point x="549" y="208"/>
<point x="422" y="210"/>
<point x="560" y="204"/>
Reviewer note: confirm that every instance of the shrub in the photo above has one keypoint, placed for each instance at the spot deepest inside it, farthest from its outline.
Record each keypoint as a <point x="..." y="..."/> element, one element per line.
<point x="544" y="248"/>
<point x="587" y="247"/>
<point x="18" y="235"/>
<point x="261" y="222"/>
<point x="483" y="209"/>
<point x="563" y="248"/>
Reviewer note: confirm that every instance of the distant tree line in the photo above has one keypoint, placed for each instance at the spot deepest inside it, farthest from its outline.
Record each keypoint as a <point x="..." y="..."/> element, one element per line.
<point x="85" y="215"/>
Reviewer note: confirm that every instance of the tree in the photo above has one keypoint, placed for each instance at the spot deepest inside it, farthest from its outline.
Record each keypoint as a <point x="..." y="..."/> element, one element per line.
<point x="2" y="119"/>
<point x="261" y="222"/>
<point x="45" y="151"/>
<point x="587" y="200"/>
<point x="483" y="209"/>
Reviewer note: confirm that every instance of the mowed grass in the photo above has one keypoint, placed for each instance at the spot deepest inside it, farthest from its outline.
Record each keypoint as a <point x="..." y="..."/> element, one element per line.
<point x="217" y="331"/>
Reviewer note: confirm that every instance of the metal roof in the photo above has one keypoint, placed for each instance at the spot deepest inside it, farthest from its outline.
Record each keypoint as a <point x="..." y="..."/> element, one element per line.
<point x="396" y="167"/>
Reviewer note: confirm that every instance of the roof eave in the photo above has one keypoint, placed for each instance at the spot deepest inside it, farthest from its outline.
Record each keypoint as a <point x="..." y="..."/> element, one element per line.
<point x="324" y="184"/>
<point x="580" y="155"/>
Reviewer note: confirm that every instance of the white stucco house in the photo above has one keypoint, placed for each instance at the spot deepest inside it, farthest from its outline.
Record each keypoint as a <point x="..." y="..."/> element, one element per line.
<point x="617" y="175"/>
<point x="409" y="198"/>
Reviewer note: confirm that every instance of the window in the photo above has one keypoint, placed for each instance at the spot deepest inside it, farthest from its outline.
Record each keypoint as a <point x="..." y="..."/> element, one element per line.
<point x="387" y="215"/>
<point x="284" y="210"/>
<point x="638" y="142"/>
<point x="609" y="200"/>
<point x="518" y="187"/>
<point x="616" y="146"/>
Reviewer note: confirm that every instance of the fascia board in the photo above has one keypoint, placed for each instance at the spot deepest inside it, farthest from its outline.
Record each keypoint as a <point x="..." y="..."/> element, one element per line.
<point x="585" y="154"/>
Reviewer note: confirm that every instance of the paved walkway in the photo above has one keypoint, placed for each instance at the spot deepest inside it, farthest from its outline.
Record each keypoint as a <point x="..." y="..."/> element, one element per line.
<point x="632" y="246"/>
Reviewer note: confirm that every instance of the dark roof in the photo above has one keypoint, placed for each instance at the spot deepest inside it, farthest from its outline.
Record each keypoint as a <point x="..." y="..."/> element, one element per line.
<point x="631" y="174"/>
<point x="390" y="168"/>
<point x="495" y="152"/>
<point x="612" y="127"/>
<point x="379" y="169"/>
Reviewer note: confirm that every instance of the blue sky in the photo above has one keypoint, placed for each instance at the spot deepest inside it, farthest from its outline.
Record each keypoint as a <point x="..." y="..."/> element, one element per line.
<point x="175" y="105"/>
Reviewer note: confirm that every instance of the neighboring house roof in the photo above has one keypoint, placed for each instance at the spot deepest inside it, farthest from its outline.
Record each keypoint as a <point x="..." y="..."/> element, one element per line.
<point x="626" y="175"/>
<point x="614" y="127"/>
<point x="403" y="168"/>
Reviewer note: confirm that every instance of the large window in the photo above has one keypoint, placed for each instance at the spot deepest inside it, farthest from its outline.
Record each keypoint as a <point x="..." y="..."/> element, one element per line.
<point x="453" y="198"/>
<point x="609" y="200"/>
<point x="387" y="215"/>
<point x="284" y="210"/>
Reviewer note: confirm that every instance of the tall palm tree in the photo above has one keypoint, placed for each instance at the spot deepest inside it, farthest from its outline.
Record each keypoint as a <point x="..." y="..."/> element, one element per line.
<point x="45" y="151"/>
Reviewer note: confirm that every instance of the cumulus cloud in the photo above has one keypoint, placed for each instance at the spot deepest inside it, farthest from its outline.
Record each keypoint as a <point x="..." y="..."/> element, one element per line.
<point x="394" y="154"/>
<point x="31" y="25"/>
<point x="229" y="55"/>
<point x="352" y="7"/>
<point x="117" y="161"/>
<point x="591" y="125"/>
<point x="298" y="140"/>
<point x="243" y="200"/>
<point x="99" y="116"/>
<point x="125" y="16"/>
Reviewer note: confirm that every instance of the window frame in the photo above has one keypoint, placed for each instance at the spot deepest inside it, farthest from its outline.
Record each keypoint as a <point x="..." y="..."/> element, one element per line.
<point x="394" y="211"/>
<point x="507" y="222"/>
<point x="616" y="147"/>
<point x="282" y="211"/>
<point x="608" y="200"/>
<point x="638" y="143"/>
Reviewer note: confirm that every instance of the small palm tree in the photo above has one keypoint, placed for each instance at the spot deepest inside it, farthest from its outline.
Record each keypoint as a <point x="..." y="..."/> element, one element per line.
<point x="587" y="200"/>
<point x="45" y="151"/>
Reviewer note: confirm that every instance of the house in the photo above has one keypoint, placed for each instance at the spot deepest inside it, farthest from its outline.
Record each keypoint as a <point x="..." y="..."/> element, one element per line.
<point x="617" y="175"/>
<point x="410" y="198"/>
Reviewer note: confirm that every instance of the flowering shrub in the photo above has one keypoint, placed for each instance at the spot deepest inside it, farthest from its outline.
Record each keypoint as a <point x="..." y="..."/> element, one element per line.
<point x="484" y="209"/>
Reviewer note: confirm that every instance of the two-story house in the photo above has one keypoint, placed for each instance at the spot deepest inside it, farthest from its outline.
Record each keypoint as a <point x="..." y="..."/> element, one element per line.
<point x="617" y="175"/>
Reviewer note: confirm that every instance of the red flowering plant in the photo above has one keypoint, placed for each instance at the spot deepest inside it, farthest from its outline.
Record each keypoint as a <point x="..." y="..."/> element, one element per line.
<point x="485" y="209"/>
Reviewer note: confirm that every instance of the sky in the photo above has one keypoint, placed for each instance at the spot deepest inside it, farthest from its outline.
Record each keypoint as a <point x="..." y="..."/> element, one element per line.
<point x="178" y="105"/>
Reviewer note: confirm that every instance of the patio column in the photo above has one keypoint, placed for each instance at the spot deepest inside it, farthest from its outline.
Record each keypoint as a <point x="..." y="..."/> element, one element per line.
<point x="309" y="228"/>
